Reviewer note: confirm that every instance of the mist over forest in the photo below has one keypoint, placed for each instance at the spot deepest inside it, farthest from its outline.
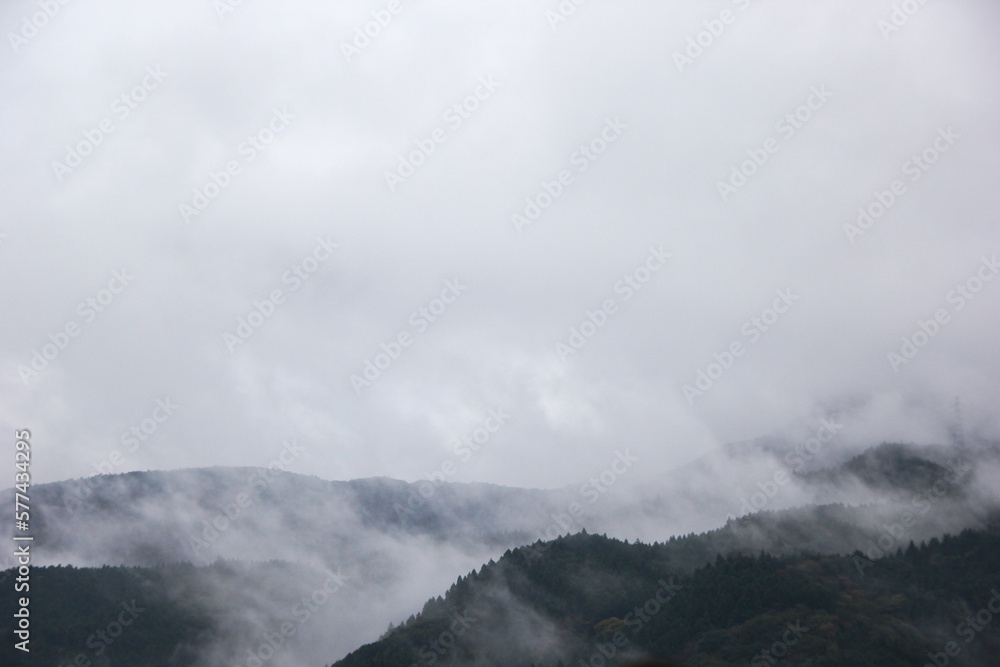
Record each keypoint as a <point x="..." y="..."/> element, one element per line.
<point x="542" y="333"/>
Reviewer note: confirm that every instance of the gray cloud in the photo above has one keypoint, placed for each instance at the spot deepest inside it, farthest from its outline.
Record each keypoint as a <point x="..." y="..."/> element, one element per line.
<point x="495" y="346"/>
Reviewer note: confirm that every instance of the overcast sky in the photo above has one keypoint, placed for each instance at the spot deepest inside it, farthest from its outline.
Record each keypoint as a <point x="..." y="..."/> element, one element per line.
<point x="178" y="165"/>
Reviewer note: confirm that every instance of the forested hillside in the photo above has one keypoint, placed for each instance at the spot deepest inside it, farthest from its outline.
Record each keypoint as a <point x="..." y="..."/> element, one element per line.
<point x="593" y="599"/>
<point x="559" y="600"/>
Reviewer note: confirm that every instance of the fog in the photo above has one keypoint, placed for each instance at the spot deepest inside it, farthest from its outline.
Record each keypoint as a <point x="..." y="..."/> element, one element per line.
<point x="259" y="557"/>
<point x="389" y="288"/>
<point x="356" y="255"/>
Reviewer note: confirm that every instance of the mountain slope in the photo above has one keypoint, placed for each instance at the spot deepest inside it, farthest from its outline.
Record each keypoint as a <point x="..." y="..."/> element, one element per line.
<point x="398" y="543"/>
<point x="144" y="518"/>
<point x="593" y="599"/>
<point x="559" y="599"/>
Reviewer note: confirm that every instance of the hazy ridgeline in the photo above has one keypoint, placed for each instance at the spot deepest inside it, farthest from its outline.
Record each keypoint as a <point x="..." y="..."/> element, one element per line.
<point x="340" y="561"/>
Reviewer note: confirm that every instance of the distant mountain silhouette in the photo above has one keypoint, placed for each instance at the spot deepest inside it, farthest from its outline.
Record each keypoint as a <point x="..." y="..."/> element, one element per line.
<point x="397" y="543"/>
